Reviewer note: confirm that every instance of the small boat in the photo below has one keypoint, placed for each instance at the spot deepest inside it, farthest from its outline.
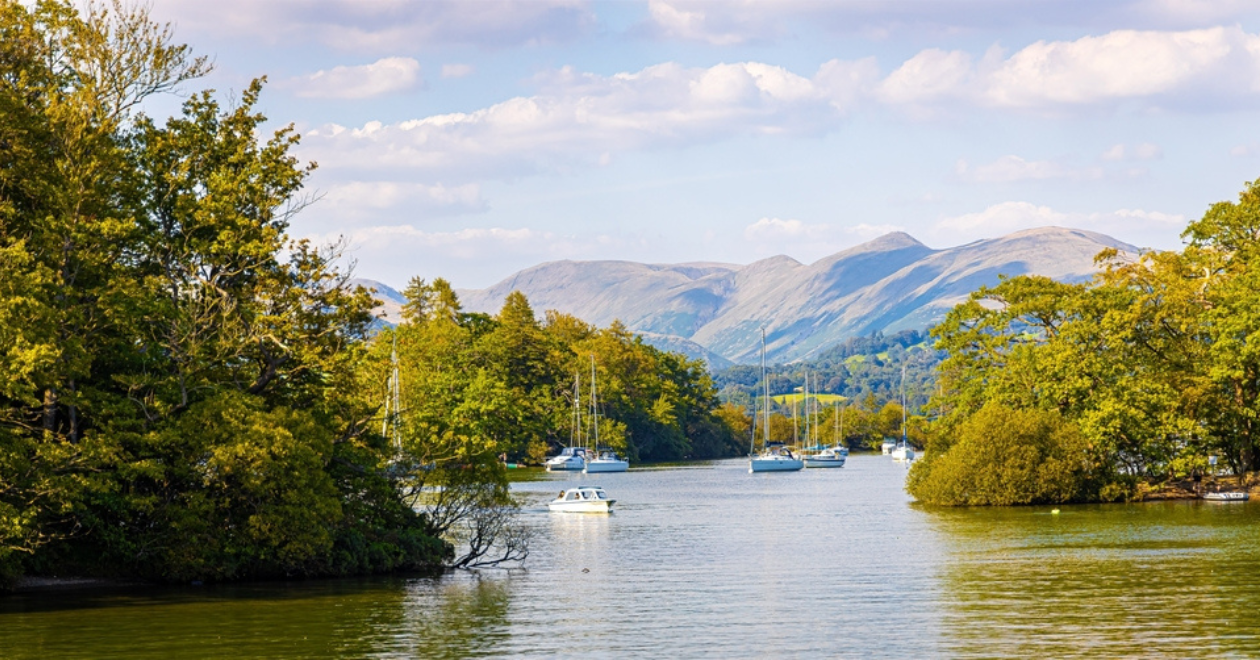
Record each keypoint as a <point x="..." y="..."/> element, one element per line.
<point x="602" y="461"/>
<point x="827" y="458"/>
<point x="606" y="461"/>
<point x="569" y="459"/>
<point x="773" y="458"/>
<point x="903" y="452"/>
<point x="888" y="447"/>
<point x="582" y="499"/>
<point x="776" y="459"/>
<point x="836" y="454"/>
<point x="1228" y="496"/>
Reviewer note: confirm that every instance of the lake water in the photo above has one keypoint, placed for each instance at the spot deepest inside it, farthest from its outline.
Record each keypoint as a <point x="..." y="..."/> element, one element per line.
<point x="711" y="561"/>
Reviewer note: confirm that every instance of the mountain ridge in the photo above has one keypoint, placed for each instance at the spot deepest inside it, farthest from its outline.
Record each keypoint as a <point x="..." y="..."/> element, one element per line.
<point x="893" y="282"/>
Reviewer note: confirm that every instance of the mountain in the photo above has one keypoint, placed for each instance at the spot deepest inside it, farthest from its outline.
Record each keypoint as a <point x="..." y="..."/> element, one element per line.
<point x="891" y="283"/>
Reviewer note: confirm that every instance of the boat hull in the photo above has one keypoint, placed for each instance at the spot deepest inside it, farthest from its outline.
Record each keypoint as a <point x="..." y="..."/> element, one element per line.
<point x="601" y="466"/>
<point x="569" y="465"/>
<point x="775" y="465"/>
<point x="824" y="462"/>
<point x="584" y="506"/>
<point x="903" y="454"/>
<point x="1226" y="497"/>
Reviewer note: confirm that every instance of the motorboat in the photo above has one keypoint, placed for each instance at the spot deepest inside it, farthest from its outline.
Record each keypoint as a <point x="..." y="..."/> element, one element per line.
<point x="776" y="459"/>
<point x="582" y="499"/>
<point x="828" y="458"/>
<point x="888" y="447"/>
<point x="1228" y="496"/>
<point x="606" y="461"/>
<point x="570" y="459"/>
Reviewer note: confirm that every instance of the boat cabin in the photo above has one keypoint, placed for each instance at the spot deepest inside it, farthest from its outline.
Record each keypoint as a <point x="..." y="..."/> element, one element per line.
<point x="584" y="493"/>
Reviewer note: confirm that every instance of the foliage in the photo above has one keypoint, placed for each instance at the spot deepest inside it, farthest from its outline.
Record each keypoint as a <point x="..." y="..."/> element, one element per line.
<point x="177" y="398"/>
<point x="1156" y="363"/>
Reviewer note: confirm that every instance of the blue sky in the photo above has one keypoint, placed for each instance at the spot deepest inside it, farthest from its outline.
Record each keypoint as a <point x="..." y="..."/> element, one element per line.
<point x="468" y="139"/>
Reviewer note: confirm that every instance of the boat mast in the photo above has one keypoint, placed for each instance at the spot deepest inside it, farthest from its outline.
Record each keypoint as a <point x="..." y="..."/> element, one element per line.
<point x="594" y="405"/>
<point x="765" y="436"/>
<point x="393" y="398"/>
<point x="575" y="432"/>
<point x="903" y="405"/>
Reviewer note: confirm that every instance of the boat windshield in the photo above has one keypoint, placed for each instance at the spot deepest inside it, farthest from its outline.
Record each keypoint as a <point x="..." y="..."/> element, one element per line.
<point x="573" y="495"/>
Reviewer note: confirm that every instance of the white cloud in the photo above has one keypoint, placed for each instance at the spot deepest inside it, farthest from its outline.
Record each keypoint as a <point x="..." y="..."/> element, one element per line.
<point x="386" y="25"/>
<point x="735" y="23"/>
<point x="1006" y="217"/>
<point x="1245" y="150"/>
<point x="1127" y="64"/>
<point x="1142" y="151"/>
<point x="457" y="70"/>
<point x="1009" y="169"/>
<point x="371" y="196"/>
<point x="774" y="229"/>
<point x="385" y="76"/>
<point x="930" y="75"/>
<point x="587" y="118"/>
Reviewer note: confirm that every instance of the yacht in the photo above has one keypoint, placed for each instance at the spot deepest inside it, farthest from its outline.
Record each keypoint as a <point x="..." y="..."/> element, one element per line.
<point x="570" y="459"/>
<point x="829" y="457"/>
<point x="836" y="454"/>
<point x="772" y="458"/>
<point x="776" y="459"/>
<point x="888" y="446"/>
<point x="606" y="461"/>
<point x="903" y="452"/>
<point x="601" y="460"/>
<point x="582" y="499"/>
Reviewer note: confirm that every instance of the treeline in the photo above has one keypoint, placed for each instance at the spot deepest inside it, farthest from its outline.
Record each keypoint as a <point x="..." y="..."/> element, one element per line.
<point x="858" y="369"/>
<point x="508" y="381"/>
<point x="1059" y="392"/>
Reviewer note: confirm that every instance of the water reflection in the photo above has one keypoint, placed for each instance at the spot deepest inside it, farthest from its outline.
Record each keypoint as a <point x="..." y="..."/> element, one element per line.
<point x="1166" y="579"/>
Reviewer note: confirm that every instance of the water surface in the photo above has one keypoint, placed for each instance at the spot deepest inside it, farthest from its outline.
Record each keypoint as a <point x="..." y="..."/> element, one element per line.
<point x="710" y="561"/>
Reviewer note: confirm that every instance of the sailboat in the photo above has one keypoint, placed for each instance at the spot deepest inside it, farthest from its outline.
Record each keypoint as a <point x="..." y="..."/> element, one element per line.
<point x="573" y="457"/>
<point x="771" y="459"/>
<point x="836" y="454"/>
<point x="903" y="452"/>
<point x="603" y="460"/>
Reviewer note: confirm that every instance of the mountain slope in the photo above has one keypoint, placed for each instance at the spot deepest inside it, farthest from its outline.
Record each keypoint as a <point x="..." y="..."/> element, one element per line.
<point x="891" y="283"/>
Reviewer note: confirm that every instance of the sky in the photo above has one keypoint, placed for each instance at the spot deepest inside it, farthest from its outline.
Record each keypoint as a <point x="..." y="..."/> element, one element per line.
<point x="469" y="139"/>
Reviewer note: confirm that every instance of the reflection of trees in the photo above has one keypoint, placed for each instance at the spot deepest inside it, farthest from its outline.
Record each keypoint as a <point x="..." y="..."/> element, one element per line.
<point x="1171" y="579"/>
<point x="453" y="617"/>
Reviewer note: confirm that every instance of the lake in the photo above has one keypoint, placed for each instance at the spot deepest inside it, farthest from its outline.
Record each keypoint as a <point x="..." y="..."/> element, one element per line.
<point x="707" y="560"/>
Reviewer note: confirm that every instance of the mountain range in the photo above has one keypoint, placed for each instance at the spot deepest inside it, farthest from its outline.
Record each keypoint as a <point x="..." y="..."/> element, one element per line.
<point x="716" y="311"/>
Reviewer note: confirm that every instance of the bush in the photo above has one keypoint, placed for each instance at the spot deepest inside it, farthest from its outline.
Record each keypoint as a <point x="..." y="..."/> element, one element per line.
<point x="1005" y="456"/>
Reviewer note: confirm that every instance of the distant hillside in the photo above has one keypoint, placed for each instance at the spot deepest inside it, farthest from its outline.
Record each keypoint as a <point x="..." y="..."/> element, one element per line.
<point x="891" y="283"/>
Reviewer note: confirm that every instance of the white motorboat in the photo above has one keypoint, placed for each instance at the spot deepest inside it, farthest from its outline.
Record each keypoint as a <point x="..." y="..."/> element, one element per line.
<point x="888" y="447"/>
<point x="606" y="461"/>
<point x="570" y="459"/>
<point x="1230" y="496"/>
<point x="582" y="499"/>
<point x="828" y="458"/>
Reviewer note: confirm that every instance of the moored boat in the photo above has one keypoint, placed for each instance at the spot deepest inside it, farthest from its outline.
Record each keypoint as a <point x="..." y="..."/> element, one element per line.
<point x="606" y="461"/>
<point x="776" y="459"/>
<point x="570" y="459"/>
<point x="828" y="458"/>
<point x="582" y="499"/>
<point x="1227" y="496"/>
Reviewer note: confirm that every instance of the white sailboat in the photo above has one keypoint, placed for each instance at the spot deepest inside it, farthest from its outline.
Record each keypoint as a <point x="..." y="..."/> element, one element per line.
<point x="837" y="453"/>
<point x="573" y="457"/>
<point x="903" y="451"/>
<point x="771" y="459"/>
<point x="603" y="460"/>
